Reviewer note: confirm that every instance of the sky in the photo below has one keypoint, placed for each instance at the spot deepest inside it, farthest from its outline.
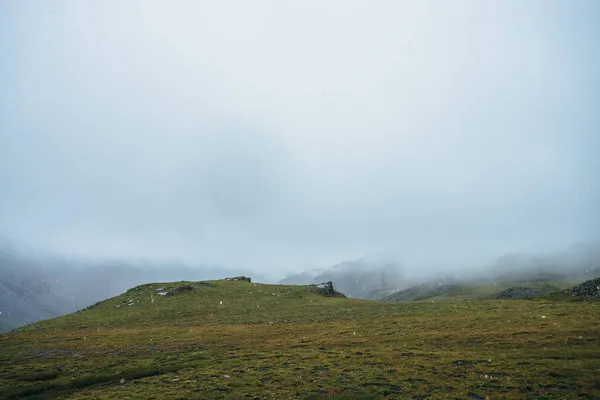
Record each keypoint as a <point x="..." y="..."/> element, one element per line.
<point x="278" y="135"/>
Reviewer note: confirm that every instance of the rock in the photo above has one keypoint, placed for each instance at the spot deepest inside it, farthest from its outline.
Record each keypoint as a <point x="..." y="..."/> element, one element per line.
<point x="525" y="292"/>
<point x="589" y="288"/>
<point x="239" y="278"/>
<point x="326" y="289"/>
<point x="179" y="289"/>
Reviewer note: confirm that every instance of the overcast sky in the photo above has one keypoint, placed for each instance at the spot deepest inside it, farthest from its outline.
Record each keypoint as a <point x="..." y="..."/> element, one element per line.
<point x="280" y="134"/>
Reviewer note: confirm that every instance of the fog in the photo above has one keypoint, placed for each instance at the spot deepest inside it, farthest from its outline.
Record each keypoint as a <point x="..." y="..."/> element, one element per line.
<point x="277" y="136"/>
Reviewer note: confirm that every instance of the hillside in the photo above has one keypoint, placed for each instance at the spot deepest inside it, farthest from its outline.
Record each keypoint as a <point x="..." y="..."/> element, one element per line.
<point x="383" y="277"/>
<point x="23" y="302"/>
<point x="235" y="340"/>
<point x="37" y="286"/>
<point x="458" y="290"/>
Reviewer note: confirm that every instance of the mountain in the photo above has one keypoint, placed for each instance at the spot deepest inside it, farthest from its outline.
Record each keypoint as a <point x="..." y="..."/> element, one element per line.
<point x="303" y="278"/>
<point x="382" y="276"/>
<point x="36" y="286"/>
<point x="235" y="339"/>
<point x="369" y="277"/>
<point x="25" y="299"/>
<point x="512" y="276"/>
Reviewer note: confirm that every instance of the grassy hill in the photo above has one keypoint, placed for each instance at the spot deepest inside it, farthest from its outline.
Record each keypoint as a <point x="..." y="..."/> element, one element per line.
<point x="35" y="286"/>
<point x="455" y="290"/>
<point x="241" y="340"/>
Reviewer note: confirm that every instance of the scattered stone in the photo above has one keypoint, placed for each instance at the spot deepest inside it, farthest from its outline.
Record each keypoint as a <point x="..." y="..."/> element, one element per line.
<point x="525" y="292"/>
<point x="589" y="288"/>
<point x="239" y="278"/>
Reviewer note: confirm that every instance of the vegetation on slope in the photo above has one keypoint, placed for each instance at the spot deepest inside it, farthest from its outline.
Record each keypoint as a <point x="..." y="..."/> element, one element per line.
<point x="36" y="286"/>
<point x="489" y="289"/>
<point x="238" y="340"/>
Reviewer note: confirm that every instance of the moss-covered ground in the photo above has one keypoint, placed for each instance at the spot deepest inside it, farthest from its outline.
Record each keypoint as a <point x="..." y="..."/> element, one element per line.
<point x="240" y="340"/>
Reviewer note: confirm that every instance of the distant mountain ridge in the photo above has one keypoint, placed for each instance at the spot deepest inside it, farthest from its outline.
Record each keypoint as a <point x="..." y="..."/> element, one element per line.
<point x="36" y="286"/>
<point x="367" y="277"/>
<point x="383" y="277"/>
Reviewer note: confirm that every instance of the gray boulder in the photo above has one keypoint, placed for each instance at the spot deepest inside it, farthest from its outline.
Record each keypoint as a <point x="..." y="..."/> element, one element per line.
<point x="326" y="289"/>
<point x="239" y="278"/>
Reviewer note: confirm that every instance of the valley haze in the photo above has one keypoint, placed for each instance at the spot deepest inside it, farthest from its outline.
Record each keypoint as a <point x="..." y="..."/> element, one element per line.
<point x="277" y="138"/>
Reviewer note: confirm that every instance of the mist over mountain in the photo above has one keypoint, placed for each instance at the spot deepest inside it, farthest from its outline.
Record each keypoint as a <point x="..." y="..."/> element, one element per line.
<point x="575" y="261"/>
<point x="38" y="285"/>
<point x="384" y="144"/>
<point x="442" y="153"/>
<point x="365" y="277"/>
<point x="235" y="135"/>
<point x="375" y="276"/>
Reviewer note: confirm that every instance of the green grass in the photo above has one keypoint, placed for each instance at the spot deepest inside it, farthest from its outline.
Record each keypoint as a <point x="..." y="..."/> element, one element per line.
<point x="475" y="290"/>
<point x="239" y="340"/>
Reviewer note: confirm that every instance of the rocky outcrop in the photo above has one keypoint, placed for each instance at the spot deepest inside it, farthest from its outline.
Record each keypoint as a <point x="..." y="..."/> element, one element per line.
<point x="525" y="292"/>
<point x="180" y="289"/>
<point x="239" y="278"/>
<point x="326" y="289"/>
<point x="589" y="288"/>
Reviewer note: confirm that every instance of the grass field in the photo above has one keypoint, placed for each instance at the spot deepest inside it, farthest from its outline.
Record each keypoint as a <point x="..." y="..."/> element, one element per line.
<point x="240" y="340"/>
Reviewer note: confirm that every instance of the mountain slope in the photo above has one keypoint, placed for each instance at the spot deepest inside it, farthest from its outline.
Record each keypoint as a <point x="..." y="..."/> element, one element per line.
<point x="381" y="276"/>
<point x="368" y="277"/>
<point x="458" y="290"/>
<point x="20" y="305"/>
<point x="234" y="339"/>
<point x="34" y="286"/>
